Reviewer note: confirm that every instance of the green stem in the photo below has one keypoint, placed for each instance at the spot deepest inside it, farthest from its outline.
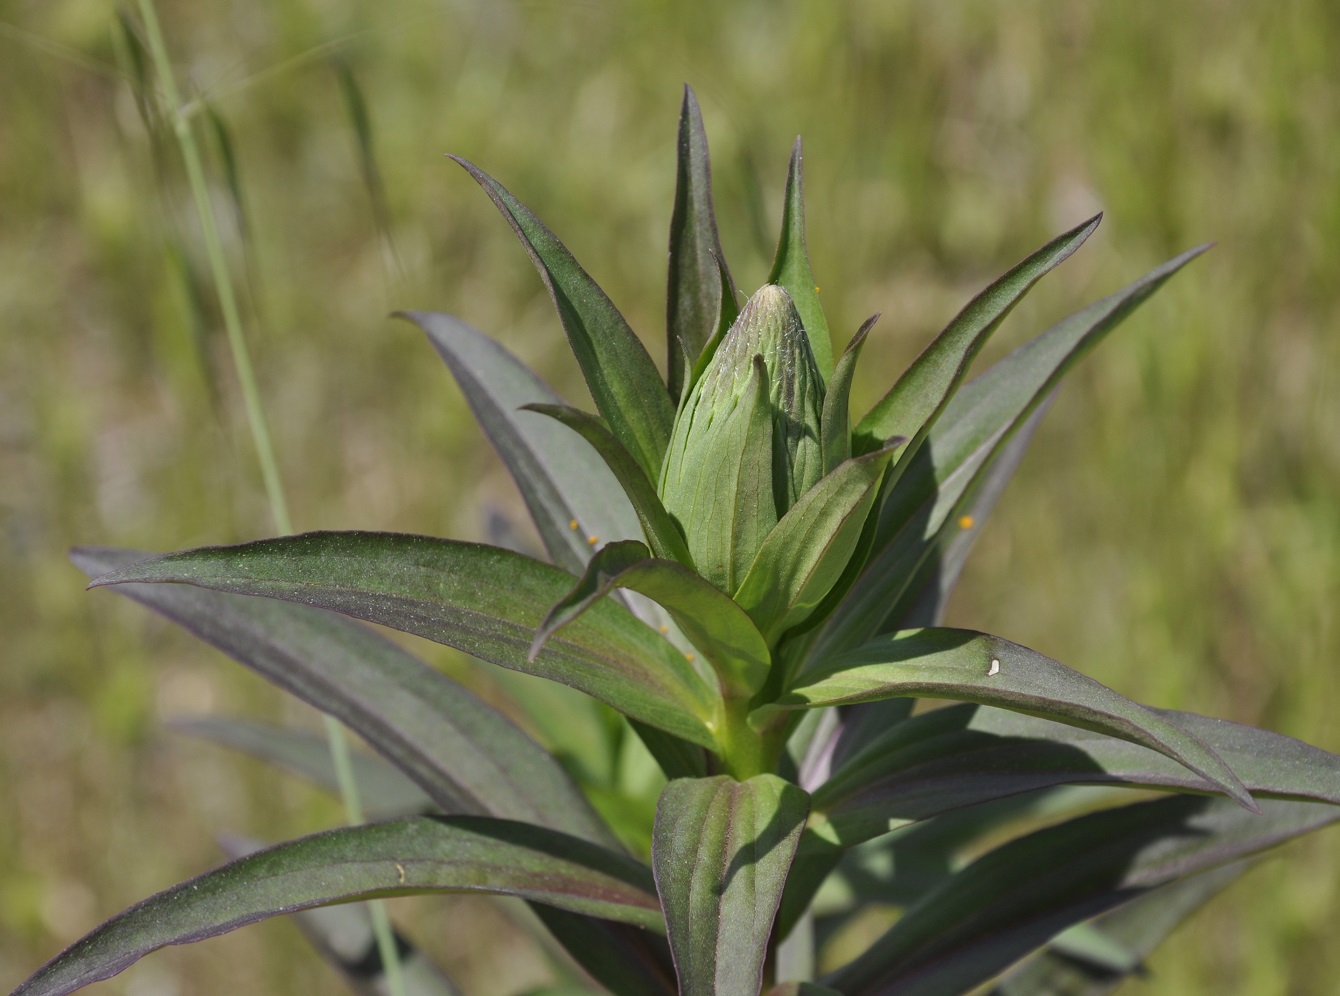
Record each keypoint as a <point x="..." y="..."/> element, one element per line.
<point x="260" y="432"/>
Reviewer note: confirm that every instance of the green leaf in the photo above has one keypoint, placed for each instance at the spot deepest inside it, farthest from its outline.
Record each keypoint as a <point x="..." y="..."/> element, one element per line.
<point x="420" y="854"/>
<point x="791" y="267"/>
<point x="964" y="755"/>
<point x="627" y="389"/>
<point x="625" y="960"/>
<point x="720" y="852"/>
<point x="660" y="529"/>
<point x="383" y="791"/>
<point x="980" y="419"/>
<point x="807" y="551"/>
<point x="464" y="754"/>
<point x="921" y="393"/>
<point x="560" y="478"/>
<point x="343" y="936"/>
<point x="697" y="261"/>
<point x="802" y="989"/>
<point x="716" y="626"/>
<point x="1019" y="896"/>
<point x="1137" y="926"/>
<point x="485" y="601"/>
<point x="836" y="416"/>
<point x="726" y="317"/>
<point x="975" y="667"/>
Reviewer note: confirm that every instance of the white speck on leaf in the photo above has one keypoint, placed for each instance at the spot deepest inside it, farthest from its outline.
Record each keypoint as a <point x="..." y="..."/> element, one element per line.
<point x="995" y="667"/>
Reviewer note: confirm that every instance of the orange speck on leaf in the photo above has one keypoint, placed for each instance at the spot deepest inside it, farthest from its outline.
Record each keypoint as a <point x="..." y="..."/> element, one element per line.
<point x="593" y="540"/>
<point x="966" y="522"/>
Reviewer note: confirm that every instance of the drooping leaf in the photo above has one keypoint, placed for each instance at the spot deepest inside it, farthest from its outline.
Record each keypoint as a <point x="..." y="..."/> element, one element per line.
<point x="627" y="389"/>
<point x="561" y="479"/>
<point x="836" y="417"/>
<point x="716" y="626"/>
<point x="809" y="548"/>
<point x="1015" y="898"/>
<point x="661" y="531"/>
<point x="979" y="420"/>
<point x="464" y="754"/>
<point x="975" y="667"/>
<point x="344" y="937"/>
<point x="791" y="266"/>
<point x="697" y="261"/>
<point x="720" y="853"/>
<point x="420" y="854"/>
<point x="911" y="406"/>
<point x="1138" y="927"/>
<point x="382" y="790"/>
<point x="485" y="601"/>
<point x="965" y="755"/>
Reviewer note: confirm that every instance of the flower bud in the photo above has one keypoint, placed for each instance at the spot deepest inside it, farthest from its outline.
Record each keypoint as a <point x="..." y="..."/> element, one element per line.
<point x="746" y="443"/>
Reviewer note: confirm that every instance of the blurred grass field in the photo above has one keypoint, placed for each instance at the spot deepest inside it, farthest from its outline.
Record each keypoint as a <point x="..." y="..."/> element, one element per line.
<point x="1175" y="532"/>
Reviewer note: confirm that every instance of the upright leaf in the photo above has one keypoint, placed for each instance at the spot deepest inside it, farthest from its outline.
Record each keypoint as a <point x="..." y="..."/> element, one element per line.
<point x="624" y="382"/>
<point x="464" y="754"/>
<point x="561" y="479"/>
<point x="980" y="419"/>
<point x="791" y="266"/>
<point x="1017" y="897"/>
<point x="420" y="854"/>
<point x="921" y="393"/>
<point x="720" y="853"/>
<point x="974" y="667"/>
<point x="697" y="262"/>
<point x="483" y="600"/>
<point x="836" y="416"/>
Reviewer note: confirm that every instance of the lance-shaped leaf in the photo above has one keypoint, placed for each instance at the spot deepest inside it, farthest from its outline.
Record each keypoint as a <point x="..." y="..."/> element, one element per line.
<point x="480" y="599"/>
<point x="980" y="419"/>
<point x="791" y="266"/>
<point x="720" y="851"/>
<point x="420" y="854"/>
<point x="1137" y="927"/>
<point x="625" y="960"/>
<point x="464" y="754"/>
<point x="921" y="393"/>
<point x="975" y="667"/>
<point x="1017" y="897"/>
<point x="624" y="382"/>
<point x="807" y="551"/>
<point x="343" y="936"/>
<point x="726" y="316"/>
<point x="662" y="533"/>
<point x="560" y="478"/>
<point x="836" y="416"/>
<point x="964" y="755"/>
<point x="383" y="791"/>
<point x="697" y="262"/>
<point x="714" y="624"/>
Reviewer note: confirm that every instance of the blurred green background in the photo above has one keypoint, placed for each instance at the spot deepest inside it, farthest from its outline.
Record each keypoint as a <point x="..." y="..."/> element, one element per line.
<point x="1175" y="532"/>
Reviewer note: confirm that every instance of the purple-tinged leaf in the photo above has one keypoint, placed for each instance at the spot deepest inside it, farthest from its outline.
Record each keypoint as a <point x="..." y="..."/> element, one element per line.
<point x="661" y="531"/>
<point x="791" y="266"/>
<point x="465" y="755"/>
<point x="560" y="478"/>
<point x="975" y="667"/>
<point x="720" y="852"/>
<point x="624" y="382"/>
<point x="420" y="854"/>
<point x="716" y="626"/>
<point x="480" y="599"/>
<point x="964" y="755"/>
<point x="976" y="423"/>
<point x="1017" y="897"/>
<point x="912" y="405"/>
<point x="697" y="262"/>
<point x="625" y="960"/>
